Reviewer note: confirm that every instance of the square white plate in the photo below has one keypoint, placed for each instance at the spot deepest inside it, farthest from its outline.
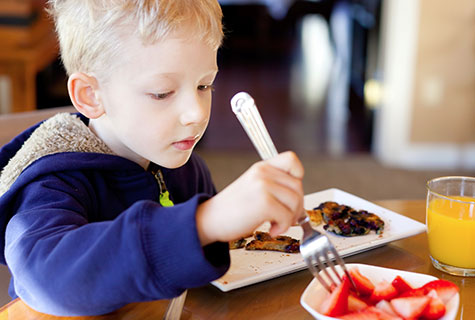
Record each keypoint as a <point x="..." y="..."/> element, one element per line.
<point x="314" y="294"/>
<point x="249" y="267"/>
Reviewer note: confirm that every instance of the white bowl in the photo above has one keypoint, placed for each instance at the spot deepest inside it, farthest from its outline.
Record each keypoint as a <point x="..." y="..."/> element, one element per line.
<point x="314" y="294"/>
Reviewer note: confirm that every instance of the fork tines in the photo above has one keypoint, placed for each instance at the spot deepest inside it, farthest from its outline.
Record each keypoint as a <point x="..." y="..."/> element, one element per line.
<point x="323" y="268"/>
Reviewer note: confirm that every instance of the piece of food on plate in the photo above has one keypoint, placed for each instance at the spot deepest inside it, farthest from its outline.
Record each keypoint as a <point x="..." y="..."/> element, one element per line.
<point x="315" y="216"/>
<point x="387" y="300"/>
<point x="346" y="221"/>
<point x="263" y="241"/>
<point x="237" y="244"/>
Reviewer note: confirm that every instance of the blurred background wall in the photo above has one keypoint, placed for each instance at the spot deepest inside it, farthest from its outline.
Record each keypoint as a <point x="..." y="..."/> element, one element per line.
<point x="393" y="79"/>
<point x="427" y="113"/>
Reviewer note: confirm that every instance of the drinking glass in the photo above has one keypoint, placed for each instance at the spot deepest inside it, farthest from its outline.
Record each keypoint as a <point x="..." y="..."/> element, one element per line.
<point x="450" y="219"/>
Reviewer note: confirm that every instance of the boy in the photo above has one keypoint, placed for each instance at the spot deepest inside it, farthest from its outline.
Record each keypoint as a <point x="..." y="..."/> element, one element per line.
<point x="87" y="200"/>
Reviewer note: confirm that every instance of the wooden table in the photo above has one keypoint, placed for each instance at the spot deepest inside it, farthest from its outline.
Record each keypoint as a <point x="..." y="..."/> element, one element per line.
<point x="280" y="298"/>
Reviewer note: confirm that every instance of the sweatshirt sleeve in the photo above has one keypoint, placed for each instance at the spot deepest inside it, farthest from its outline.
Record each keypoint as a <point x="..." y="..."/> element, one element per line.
<point x="63" y="264"/>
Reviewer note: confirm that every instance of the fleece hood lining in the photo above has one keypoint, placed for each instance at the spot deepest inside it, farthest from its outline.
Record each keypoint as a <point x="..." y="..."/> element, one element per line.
<point x="63" y="132"/>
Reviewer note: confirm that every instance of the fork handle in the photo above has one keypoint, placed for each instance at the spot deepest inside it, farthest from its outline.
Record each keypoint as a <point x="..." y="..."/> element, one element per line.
<point x="244" y="106"/>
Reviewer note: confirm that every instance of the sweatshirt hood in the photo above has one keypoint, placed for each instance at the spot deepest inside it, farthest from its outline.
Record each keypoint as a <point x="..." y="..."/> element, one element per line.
<point x="63" y="132"/>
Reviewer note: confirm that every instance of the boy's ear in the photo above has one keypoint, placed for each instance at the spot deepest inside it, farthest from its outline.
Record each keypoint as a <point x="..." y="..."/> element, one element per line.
<point x="83" y="91"/>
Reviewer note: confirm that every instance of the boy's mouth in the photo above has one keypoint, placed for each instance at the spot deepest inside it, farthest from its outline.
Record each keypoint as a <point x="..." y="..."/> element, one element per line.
<point x="186" y="144"/>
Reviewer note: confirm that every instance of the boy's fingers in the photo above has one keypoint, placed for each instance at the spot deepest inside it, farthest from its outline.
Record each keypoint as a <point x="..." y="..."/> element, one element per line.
<point x="291" y="199"/>
<point x="279" y="225"/>
<point x="273" y="175"/>
<point x="277" y="229"/>
<point x="282" y="224"/>
<point x="288" y="162"/>
<point x="286" y="209"/>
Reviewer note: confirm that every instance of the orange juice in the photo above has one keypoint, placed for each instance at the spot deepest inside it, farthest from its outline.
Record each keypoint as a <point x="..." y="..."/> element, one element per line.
<point x="451" y="231"/>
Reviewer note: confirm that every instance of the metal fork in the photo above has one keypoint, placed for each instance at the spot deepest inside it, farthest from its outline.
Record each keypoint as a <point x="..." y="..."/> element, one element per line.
<point x="316" y="249"/>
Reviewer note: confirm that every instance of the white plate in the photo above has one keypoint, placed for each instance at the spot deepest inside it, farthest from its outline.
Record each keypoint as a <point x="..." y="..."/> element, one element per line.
<point x="249" y="267"/>
<point x="315" y="293"/>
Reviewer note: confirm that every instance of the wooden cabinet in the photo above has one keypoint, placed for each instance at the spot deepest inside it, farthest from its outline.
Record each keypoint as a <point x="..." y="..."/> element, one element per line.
<point x="27" y="45"/>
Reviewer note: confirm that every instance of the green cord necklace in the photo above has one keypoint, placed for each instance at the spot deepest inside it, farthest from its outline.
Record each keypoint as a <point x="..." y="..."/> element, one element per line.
<point x="164" y="197"/>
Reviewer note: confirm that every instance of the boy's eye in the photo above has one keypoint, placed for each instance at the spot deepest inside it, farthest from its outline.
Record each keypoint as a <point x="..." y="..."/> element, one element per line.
<point x="206" y="87"/>
<point x="160" y="96"/>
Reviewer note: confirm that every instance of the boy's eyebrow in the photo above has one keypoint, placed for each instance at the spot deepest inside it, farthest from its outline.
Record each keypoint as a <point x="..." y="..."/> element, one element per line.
<point x="214" y="72"/>
<point x="164" y="74"/>
<point x="172" y="74"/>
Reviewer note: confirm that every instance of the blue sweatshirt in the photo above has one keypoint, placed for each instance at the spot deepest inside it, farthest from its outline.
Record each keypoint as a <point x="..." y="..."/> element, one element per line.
<point x="84" y="233"/>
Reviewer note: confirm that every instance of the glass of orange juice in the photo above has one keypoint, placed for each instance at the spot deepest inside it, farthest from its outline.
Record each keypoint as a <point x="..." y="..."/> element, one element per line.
<point x="450" y="219"/>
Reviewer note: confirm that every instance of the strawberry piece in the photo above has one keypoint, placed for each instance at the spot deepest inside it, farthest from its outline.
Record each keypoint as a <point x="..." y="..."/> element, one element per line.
<point x="436" y="308"/>
<point x="355" y="303"/>
<point x="410" y="307"/>
<point x="445" y="289"/>
<point x="370" y="313"/>
<point x="364" y="314"/>
<point x="401" y="285"/>
<point x="385" y="306"/>
<point x="383" y="315"/>
<point x="383" y="291"/>
<point x="364" y="286"/>
<point x="336" y="304"/>
<point x="417" y="292"/>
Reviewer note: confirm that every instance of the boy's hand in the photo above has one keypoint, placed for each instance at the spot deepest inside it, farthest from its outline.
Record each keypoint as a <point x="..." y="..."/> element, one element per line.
<point x="270" y="190"/>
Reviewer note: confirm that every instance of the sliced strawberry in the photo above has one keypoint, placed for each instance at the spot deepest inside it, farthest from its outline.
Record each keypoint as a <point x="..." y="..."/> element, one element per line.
<point x="401" y="285"/>
<point x="383" y="291"/>
<point x="355" y="303"/>
<point x="445" y="289"/>
<point x="416" y="292"/>
<point x="364" y="286"/>
<point x="385" y="306"/>
<point x="364" y="314"/>
<point x="370" y="313"/>
<point x="410" y="307"/>
<point x="436" y="308"/>
<point x="383" y="315"/>
<point x="336" y="304"/>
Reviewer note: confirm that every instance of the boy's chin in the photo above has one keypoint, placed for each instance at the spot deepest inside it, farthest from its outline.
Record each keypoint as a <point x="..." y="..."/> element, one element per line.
<point x="174" y="163"/>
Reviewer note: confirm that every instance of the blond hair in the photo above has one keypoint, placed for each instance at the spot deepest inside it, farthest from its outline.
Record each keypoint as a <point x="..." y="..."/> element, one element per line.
<point x="91" y="32"/>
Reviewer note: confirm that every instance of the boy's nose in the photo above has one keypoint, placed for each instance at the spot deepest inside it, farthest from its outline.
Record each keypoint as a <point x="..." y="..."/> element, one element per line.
<point x="196" y="110"/>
